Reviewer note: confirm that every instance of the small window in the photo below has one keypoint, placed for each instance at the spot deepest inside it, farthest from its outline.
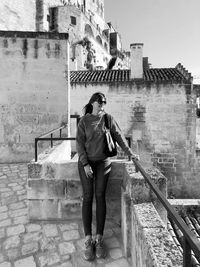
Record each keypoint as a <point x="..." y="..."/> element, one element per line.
<point x="73" y="20"/>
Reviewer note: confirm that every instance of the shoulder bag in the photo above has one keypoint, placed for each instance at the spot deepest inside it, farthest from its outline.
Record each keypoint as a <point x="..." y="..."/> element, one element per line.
<point x="110" y="144"/>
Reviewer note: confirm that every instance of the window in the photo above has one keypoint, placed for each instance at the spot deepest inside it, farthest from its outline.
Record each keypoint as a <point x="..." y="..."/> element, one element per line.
<point x="53" y="19"/>
<point x="73" y="20"/>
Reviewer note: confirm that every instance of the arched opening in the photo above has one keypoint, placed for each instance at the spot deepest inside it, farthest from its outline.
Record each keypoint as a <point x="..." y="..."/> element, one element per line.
<point x="88" y="30"/>
<point x="106" y="46"/>
<point x="98" y="38"/>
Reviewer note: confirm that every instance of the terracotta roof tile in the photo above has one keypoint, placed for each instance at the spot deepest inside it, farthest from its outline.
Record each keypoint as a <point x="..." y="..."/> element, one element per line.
<point x="100" y="76"/>
<point x="193" y="223"/>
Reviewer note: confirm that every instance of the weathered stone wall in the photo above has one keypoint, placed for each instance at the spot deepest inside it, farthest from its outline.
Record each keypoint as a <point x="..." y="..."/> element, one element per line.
<point x="23" y="15"/>
<point x="55" y="193"/>
<point x="54" y="187"/>
<point x="17" y="15"/>
<point x="151" y="243"/>
<point x="160" y="118"/>
<point x="100" y="57"/>
<point x="33" y="90"/>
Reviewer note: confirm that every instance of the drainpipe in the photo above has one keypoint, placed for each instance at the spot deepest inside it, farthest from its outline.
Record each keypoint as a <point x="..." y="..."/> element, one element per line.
<point x="68" y="92"/>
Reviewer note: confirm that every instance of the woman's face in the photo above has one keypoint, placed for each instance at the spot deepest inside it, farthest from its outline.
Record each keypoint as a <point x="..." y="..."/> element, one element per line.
<point x="98" y="105"/>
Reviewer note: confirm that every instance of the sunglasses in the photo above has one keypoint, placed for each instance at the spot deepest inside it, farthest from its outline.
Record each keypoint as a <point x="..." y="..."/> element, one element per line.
<point x="101" y="102"/>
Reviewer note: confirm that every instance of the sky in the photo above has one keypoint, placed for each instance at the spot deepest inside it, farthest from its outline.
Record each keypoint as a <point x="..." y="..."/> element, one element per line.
<point x="169" y="29"/>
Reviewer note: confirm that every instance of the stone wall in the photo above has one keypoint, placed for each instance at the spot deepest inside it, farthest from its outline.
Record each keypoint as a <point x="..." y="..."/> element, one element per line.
<point x="151" y="243"/>
<point x="23" y="15"/>
<point x="55" y="193"/>
<point x="33" y="90"/>
<point x="100" y="57"/>
<point x="54" y="187"/>
<point x="17" y="15"/>
<point x="160" y="118"/>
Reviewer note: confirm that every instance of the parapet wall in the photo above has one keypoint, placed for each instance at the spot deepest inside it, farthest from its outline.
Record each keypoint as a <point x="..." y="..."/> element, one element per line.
<point x="147" y="243"/>
<point x="151" y="243"/>
<point x="33" y="90"/>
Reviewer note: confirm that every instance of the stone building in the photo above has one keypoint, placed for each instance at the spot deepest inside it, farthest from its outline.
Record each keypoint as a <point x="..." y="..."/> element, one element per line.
<point x="94" y="43"/>
<point x="35" y="58"/>
<point x="33" y="93"/>
<point x="157" y="108"/>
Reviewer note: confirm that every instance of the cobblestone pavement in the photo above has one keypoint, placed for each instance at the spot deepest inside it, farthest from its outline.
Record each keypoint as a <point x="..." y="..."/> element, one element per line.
<point x="38" y="244"/>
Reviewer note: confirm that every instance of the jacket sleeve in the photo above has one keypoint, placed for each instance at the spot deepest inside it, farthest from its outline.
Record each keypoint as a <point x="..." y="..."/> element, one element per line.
<point x="80" y="143"/>
<point x="119" y="137"/>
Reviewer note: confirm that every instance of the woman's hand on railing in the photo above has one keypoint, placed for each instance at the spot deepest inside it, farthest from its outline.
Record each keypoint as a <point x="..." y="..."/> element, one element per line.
<point x="135" y="157"/>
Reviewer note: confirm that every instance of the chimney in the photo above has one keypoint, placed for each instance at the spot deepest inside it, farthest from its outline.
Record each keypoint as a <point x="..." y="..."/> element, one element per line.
<point x="136" y="61"/>
<point x="145" y="63"/>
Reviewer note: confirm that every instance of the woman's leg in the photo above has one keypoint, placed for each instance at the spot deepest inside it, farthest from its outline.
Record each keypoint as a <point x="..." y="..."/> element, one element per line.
<point x="87" y="186"/>
<point x="102" y="171"/>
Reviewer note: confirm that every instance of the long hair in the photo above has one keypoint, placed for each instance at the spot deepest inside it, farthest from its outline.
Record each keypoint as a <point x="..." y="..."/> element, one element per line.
<point x="88" y="108"/>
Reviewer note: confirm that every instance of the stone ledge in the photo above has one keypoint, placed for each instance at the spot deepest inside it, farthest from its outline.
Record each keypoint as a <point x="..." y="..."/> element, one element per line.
<point x="151" y="244"/>
<point x="135" y="185"/>
<point x="28" y="34"/>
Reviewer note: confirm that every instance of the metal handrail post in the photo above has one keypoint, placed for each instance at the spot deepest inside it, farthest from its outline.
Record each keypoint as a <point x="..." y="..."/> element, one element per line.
<point x="36" y="141"/>
<point x="187" y="257"/>
<point x="51" y="140"/>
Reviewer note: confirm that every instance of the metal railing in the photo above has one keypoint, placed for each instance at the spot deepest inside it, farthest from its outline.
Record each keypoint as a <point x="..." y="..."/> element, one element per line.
<point x="49" y="136"/>
<point x="190" y="241"/>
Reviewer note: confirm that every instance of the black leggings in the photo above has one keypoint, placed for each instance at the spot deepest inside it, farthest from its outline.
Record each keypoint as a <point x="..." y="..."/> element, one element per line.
<point x="101" y="170"/>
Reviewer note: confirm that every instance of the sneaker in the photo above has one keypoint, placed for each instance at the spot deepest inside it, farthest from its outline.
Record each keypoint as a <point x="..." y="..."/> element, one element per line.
<point x="100" y="248"/>
<point x="89" y="250"/>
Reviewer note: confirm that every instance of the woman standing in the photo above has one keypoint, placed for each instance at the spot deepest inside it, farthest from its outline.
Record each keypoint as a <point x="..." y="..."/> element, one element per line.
<point x="94" y="169"/>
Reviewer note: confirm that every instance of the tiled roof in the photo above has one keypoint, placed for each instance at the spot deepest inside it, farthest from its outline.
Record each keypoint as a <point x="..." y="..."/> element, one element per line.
<point x="104" y="76"/>
<point x="192" y="220"/>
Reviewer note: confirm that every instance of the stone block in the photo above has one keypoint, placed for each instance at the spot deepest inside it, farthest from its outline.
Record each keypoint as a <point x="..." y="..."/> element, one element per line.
<point x="117" y="170"/>
<point x="70" y="235"/>
<point x="69" y="170"/>
<point x="139" y="189"/>
<point x="49" y="170"/>
<point x="15" y="230"/>
<point x="48" y="259"/>
<point x="66" y="248"/>
<point x="73" y="189"/>
<point x="30" y="248"/>
<point x="34" y="170"/>
<point x="70" y="209"/>
<point x="50" y="230"/>
<point x="113" y="188"/>
<point x="11" y="242"/>
<point x="126" y="222"/>
<point x="43" y="209"/>
<point x="46" y="189"/>
<point x="113" y="209"/>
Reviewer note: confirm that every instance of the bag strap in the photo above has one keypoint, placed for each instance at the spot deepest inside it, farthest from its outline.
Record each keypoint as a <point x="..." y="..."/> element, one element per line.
<point x="106" y="121"/>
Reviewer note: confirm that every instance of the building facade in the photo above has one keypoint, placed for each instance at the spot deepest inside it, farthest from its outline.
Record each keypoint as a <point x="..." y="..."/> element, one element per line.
<point x="157" y="109"/>
<point x="94" y="44"/>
